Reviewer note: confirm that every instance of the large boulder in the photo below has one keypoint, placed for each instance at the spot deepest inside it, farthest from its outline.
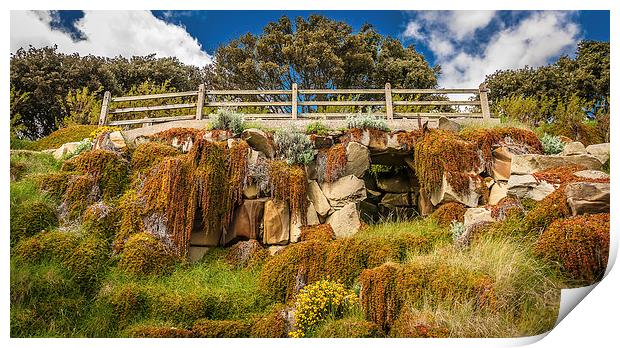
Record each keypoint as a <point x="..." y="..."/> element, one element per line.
<point x="65" y="149"/>
<point x="375" y="140"/>
<point x="445" y="193"/>
<point x="573" y="148"/>
<point x="318" y="199"/>
<point x="344" y="190"/>
<point x="600" y="151"/>
<point x="246" y="221"/>
<point x="530" y="163"/>
<point x="591" y="174"/>
<point x="477" y="215"/>
<point x="445" y="123"/>
<point x="400" y="183"/>
<point x="358" y="159"/>
<point x="499" y="190"/>
<point x="311" y="219"/>
<point x="526" y="186"/>
<point x="502" y="159"/>
<point x="276" y="223"/>
<point x="346" y="221"/>
<point x="259" y="141"/>
<point x="587" y="197"/>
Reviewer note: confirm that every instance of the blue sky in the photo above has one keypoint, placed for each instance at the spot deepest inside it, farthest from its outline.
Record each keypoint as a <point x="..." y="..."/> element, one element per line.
<point x="467" y="44"/>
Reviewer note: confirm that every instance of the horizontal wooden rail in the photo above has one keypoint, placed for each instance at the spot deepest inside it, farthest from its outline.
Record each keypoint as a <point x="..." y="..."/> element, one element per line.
<point x="300" y="103"/>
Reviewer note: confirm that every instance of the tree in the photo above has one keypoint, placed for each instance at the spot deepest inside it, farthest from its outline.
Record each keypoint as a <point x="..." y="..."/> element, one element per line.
<point x="318" y="52"/>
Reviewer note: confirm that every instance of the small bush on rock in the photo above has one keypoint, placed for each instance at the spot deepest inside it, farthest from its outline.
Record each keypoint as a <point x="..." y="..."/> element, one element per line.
<point x="366" y="121"/>
<point x="144" y="254"/>
<point x="31" y="217"/>
<point x="205" y="328"/>
<point x="580" y="245"/>
<point x="448" y="212"/>
<point x="317" y="128"/>
<point x="227" y="119"/>
<point x="552" y="144"/>
<point x="323" y="232"/>
<point x="293" y="147"/>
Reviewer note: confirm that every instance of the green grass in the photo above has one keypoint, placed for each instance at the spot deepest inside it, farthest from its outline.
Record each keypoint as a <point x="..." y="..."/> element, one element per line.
<point x="62" y="136"/>
<point x="27" y="163"/>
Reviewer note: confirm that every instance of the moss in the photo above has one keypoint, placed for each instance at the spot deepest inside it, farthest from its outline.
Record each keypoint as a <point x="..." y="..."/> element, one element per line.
<point x="323" y="232"/>
<point x="144" y="254"/>
<point x="54" y="184"/>
<point x="108" y="170"/>
<point x="439" y="152"/>
<point x="82" y="191"/>
<point x="101" y="220"/>
<point x="448" y="212"/>
<point x="87" y="262"/>
<point x="130" y="208"/>
<point x="31" y="217"/>
<point x="46" y="246"/>
<point x="507" y="207"/>
<point x="205" y="328"/>
<point x="349" y="328"/>
<point x="289" y="185"/>
<point x="246" y="254"/>
<point x="271" y="325"/>
<point x="158" y="331"/>
<point x="580" y="245"/>
<point x="387" y="288"/>
<point x="180" y="134"/>
<point x="336" y="161"/>
<point x="62" y="136"/>
<point x="146" y="155"/>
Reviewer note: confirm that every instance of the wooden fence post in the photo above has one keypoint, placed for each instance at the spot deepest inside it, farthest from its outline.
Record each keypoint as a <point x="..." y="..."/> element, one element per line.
<point x="484" y="102"/>
<point x="389" y="110"/>
<point x="200" y="101"/>
<point x="294" y="101"/>
<point x="105" y="105"/>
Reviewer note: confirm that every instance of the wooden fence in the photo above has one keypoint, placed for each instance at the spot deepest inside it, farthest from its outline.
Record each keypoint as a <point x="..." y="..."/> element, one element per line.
<point x="301" y="104"/>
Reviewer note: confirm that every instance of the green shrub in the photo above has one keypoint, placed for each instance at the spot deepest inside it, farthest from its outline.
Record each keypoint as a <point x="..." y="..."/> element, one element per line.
<point x="157" y="331"/>
<point x="205" y="328"/>
<point x="227" y="119"/>
<point x="144" y="254"/>
<point x="317" y="128"/>
<point x="30" y="218"/>
<point x="552" y="144"/>
<point x="62" y="136"/>
<point x="366" y="121"/>
<point x="293" y="147"/>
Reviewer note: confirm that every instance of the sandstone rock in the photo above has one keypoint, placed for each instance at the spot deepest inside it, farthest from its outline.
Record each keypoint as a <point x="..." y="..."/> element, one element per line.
<point x="259" y="141"/>
<point x="375" y="140"/>
<point x="488" y="182"/>
<point x="600" y="151"/>
<point x="250" y="192"/>
<point x="498" y="191"/>
<point x="275" y="249"/>
<point x="587" y="197"/>
<point x="183" y="144"/>
<point x="573" y="148"/>
<point x="246" y="221"/>
<point x="254" y="157"/>
<point x="400" y="183"/>
<point x="477" y="215"/>
<point x="397" y="199"/>
<point x="591" y="174"/>
<point x="528" y="164"/>
<point x="502" y="159"/>
<point x="446" y="193"/>
<point x="358" y="159"/>
<point x="318" y="199"/>
<point x="526" y="186"/>
<point x="276" y="223"/>
<point x="117" y="140"/>
<point x="449" y="125"/>
<point x="196" y="253"/>
<point x="344" y="190"/>
<point x="425" y="206"/>
<point x="205" y="238"/>
<point x="311" y="219"/>
<point x="368" y="211"/>
<point x="64" y="149"/>
<point x="346" y="221"/>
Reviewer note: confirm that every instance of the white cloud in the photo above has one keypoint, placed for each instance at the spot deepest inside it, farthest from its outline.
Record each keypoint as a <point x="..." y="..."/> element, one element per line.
<point x="532" y="41"/>
<point x="109" y="34"/>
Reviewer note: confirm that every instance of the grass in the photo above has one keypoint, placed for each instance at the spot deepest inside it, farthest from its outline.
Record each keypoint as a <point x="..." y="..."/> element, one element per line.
<point x="62" y="136"/>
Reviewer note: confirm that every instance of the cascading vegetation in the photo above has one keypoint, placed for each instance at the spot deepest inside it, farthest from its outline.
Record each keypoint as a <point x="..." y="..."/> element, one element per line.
<point x="289" y="185"/>
<point x="336" y="162"/>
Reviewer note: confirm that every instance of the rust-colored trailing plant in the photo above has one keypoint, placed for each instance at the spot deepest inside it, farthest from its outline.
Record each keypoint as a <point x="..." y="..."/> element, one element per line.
<point x="288" y="184"/>
<point x="336" y="162"/>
